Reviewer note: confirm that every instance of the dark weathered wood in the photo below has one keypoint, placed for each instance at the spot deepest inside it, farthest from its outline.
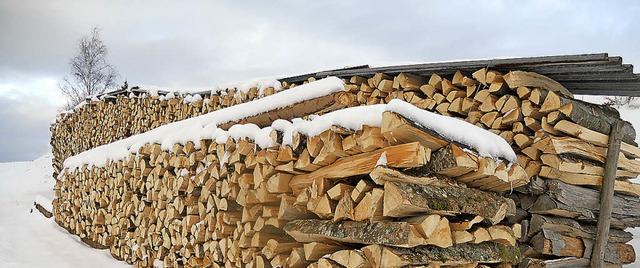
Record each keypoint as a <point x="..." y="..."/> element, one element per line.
<point x="568" y="262"/>
<point x="594" y="74"/>
<point x="550" y="242"/>
<point x="402" y="200"/>
<point x="466" y="253"/>
<point x="582" y="203"/>
<point x="606" y="195"/>
<point x="573" y="228"/>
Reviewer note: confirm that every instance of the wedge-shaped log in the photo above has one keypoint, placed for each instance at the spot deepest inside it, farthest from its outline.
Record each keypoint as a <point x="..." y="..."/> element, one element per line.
<point x="397" y="129"/>
<point x="459" y="254"/>
<point x="402" y="200"/>
<point x="351" y="258"/>
<point x="401" y="156"/>
<point x="399" y="234"/>
<point x="452" y="161"/>
<point x="517" y="79"/>
<point x="582" y="203"/>
<point x="549" y="242"/>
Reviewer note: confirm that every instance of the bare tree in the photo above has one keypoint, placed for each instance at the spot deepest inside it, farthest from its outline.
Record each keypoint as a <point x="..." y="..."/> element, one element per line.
<point x="90" y="72"/>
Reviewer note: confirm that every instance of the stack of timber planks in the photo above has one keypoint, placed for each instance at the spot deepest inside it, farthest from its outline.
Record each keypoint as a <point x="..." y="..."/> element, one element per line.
<point x="328" y="200"/>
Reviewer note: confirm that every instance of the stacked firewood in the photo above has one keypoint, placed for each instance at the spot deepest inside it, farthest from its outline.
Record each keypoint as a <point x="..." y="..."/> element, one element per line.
<point x="112" y="118"/>
<point x="330" y="201"/>
<point x="231" y="204"/>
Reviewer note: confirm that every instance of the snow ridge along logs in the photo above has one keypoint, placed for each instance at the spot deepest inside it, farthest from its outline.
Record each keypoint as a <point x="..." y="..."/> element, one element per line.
<point x="308" y="182"/>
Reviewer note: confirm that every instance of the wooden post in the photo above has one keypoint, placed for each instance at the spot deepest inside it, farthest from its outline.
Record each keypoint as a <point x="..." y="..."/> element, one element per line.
<point x="606" y="195"/>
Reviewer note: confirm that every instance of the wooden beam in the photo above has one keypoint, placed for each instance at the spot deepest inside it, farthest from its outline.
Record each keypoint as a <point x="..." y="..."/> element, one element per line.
<point x="606" y="196"/>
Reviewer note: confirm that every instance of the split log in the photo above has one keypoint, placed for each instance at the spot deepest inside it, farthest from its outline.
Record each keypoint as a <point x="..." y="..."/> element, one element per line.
<point x="517" y="79"/>
<point x="401" y="156"/>
<point x="459" y="254"/>
<point x="595" y="117"/>
<point x="568" y="145"/>
<point x="451" y="161"/>
<point x="594" y="137"/>
<point x="620" y="186"/>
<point x="351" y="258"/>
<point x="582" y="203"/>
<point x="402" y="200"/>
<point x="397" y="130"/>
<point x="566" y="163"/>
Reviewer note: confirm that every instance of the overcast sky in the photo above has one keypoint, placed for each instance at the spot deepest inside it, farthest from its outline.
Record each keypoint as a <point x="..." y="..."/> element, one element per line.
<point x="205" y="43"/>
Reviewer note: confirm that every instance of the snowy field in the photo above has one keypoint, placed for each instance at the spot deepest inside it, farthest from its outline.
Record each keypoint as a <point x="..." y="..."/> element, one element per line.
<point x="28" y="239"/>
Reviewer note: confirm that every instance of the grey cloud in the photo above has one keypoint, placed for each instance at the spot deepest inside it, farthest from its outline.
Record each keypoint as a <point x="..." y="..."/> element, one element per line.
<point x="24" y="131"/>
<point x="205" y="43"/>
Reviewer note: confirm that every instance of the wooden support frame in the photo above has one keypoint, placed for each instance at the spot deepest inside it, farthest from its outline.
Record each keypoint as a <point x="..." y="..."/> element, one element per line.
<point x="606" y="195"/>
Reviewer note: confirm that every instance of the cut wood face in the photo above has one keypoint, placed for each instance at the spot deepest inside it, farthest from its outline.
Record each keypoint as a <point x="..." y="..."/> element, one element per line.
<point x="394" y="193"/>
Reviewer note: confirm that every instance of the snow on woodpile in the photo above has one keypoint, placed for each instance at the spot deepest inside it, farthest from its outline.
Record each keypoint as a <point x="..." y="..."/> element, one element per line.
<point x="484" y="142"/>
<point x="204" y="126"/>
<point x="474" y="166"/>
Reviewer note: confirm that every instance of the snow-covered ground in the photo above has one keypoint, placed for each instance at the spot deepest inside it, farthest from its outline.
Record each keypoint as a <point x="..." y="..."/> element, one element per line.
<point x="27" y="238"/>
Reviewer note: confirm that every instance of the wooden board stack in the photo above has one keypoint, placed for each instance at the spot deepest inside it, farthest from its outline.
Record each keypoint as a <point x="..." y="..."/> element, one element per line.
<point x="330" y="201"/>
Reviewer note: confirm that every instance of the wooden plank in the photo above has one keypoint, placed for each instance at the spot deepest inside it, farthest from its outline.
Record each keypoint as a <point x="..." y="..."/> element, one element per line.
<point x="401" y="156"/>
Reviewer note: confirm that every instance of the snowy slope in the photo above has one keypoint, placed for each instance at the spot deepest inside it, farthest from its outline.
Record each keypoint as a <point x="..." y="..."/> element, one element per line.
<point x="28" y="239"/>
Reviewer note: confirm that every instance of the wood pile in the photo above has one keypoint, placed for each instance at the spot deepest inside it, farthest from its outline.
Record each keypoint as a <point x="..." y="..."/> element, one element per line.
<point x="100" y="122"/>
<point x="399" y="194"/>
